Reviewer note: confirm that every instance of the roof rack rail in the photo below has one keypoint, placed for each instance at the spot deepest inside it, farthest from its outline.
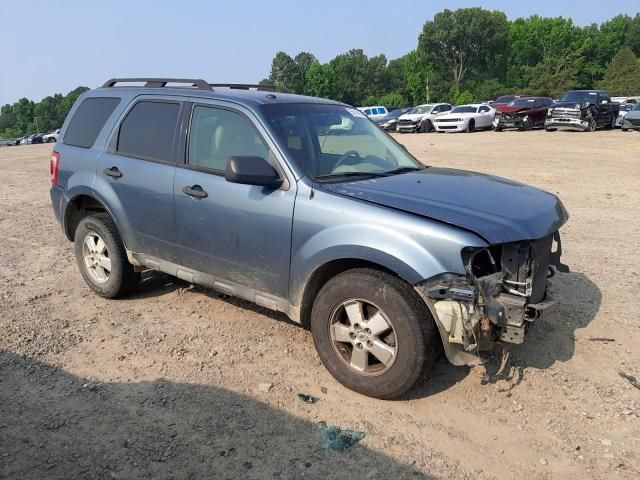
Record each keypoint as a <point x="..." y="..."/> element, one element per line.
<point x="247" y="86"/>
<point x="159" y="82"/>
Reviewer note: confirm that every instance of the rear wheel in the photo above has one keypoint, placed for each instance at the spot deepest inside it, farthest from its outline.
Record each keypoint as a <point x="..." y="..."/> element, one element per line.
<point x="102" y="258"/>
<point x="373" y="332"/>
<point x="471" y="126"/>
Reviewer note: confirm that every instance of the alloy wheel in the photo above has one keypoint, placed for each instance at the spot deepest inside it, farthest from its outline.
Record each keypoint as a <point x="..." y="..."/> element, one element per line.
<point x="363" y="337"/>
<point x="96" y="258"/>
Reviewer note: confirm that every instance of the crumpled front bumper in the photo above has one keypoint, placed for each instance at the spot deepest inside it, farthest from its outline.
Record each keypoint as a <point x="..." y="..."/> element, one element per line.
<point x="477" y="311"/>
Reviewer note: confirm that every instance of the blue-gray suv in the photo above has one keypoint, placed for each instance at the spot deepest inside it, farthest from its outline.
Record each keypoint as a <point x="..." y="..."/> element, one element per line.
<point x="304" y="206"/>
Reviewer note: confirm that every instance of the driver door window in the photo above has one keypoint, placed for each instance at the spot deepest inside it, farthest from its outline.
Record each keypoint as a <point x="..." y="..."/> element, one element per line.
<point x="217" y="134"/>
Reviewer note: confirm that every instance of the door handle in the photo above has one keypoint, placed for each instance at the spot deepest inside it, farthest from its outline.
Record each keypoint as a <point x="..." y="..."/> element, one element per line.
<point x="195" y="191"/>
<point x="112" y="172"/>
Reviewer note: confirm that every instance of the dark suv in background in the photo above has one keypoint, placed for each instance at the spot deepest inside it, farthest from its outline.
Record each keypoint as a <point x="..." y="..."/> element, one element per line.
<point x="252" y="193"/>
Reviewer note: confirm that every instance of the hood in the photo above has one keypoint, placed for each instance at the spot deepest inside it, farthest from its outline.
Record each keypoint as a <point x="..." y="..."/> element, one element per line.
<point x="457" y="115"/>
<point x="385" y="120"/>
<point x="570" y="105"/>
<point x="413" y="116"/>
<point x="497" y="209"/>
<point x="513" y="109"/>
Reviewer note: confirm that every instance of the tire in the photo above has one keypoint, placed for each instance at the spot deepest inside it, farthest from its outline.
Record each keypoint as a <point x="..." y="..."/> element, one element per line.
<point x="119" y="278"/>
<point x="51" y="140"/>
<point x="471" y="126"/>
<point x="612" y="125"/>
<point x="426" y="126"/>
<point x="497" y="129"/>
<point x="625" y="129"/>
<point x="527" y="125"/>
<point x="551" y="129"/>
<point x="412" y="333"/>
<point x="593" y="126"/>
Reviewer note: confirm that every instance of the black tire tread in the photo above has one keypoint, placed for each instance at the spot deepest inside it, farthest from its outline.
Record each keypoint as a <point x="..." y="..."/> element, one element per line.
<point x="126" y="278"/>
<point x="427" y="348"/>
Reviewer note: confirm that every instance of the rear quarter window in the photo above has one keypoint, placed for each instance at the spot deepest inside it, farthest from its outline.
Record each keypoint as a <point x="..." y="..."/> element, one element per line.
<point x="148" y="131"/>
<point x="88" y="120"/>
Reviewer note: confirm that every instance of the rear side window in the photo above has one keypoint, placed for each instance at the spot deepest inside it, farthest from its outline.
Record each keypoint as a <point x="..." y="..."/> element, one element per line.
<point x="88" y="120"/>
<point x="148" y="131"/>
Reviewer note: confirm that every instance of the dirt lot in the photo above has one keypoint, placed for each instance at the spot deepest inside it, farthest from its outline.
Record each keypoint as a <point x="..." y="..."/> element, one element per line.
<point x="179" y="382"/>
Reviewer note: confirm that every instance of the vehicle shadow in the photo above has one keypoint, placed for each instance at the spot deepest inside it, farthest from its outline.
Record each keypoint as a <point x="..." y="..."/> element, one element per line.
<point x="552" y="339"/>
<point x="57" y="425"/>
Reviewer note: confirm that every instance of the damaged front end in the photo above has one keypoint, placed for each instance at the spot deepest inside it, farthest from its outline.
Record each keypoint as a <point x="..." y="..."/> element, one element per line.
<point x="504" y="291"/>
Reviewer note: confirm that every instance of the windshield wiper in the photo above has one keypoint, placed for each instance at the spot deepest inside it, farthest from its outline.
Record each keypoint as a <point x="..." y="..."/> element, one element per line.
<point x="352" y="174"/>
<point x="403" y="170"/>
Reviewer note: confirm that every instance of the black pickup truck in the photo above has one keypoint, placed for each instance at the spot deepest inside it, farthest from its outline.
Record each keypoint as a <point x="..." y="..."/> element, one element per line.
<point x="582" y="110"/>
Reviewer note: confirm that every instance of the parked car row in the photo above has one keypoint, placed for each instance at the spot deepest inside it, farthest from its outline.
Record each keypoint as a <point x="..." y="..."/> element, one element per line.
<point x="578" y="110"/>
<point x="35" y="138"/>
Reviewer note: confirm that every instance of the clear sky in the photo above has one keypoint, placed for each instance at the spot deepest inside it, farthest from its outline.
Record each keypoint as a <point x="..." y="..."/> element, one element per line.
<point x="54" y="46"/>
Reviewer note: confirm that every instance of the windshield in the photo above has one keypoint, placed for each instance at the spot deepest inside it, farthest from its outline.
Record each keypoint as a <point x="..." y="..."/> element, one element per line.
<point x="505" y="99"/>
<point x="579" y="97"/>
<point x="333" y="141"/>
<point x="523" y="102"/>
<point x="629" y="106"/>
<point x="636" y="108"/>
<point x="422" y="109"/>
<point x="465" y="109"/>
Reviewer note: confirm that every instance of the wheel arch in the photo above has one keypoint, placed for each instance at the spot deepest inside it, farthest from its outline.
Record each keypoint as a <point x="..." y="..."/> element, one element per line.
<point x="80" y="206"/>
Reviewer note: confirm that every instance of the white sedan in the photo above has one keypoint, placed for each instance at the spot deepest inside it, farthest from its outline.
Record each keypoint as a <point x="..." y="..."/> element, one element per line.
<point x="465" y="118"/>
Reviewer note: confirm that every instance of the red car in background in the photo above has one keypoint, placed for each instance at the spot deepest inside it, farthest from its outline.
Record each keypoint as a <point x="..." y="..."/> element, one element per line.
<point x="523" y="113"/>
<point x="503" y="101"/>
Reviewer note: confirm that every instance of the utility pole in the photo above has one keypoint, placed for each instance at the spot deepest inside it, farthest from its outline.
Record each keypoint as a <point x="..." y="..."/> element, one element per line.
<point x="37" y="128"/>
<point x="427" y="90"/>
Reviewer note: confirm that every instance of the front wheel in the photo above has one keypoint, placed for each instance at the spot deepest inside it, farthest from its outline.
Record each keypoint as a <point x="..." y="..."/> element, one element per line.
<point x="426" y="126"/>
<point x="373" y="332"/>
<point x="102" y="258"/>
<point x="471" y="126"/>
<point x="592" y="125"/>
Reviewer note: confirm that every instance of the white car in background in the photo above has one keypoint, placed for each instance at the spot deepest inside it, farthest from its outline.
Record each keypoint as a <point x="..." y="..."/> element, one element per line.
<point x="465" y="118"/>
<point x="420" y="118"/>
<point x="51" y="137"/>
<point x="626" y="105"/>
<point x="374" y="113"/>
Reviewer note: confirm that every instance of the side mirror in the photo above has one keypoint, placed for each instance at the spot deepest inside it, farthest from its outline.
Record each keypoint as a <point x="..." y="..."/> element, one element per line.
<point x="252" y="171"/>
<point x="604" y="102"/>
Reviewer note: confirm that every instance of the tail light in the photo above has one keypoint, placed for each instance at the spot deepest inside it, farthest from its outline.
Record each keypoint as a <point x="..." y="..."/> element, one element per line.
<point x="55" y="162"/>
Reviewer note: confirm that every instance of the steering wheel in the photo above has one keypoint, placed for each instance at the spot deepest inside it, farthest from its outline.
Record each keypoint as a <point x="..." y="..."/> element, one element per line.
<point x="343" y="158"/>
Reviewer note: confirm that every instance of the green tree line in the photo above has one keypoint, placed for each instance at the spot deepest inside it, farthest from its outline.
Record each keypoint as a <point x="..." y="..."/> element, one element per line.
<point x="26" y="117"/>
<point x="476" y="54"/>
<point x="460" y="56"/>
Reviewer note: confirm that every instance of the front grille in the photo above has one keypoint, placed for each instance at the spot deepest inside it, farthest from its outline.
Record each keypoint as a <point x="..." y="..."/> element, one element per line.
<point x="406" y="122"/>
<point x="447" y="127"/>
<point x="566" y="113"/>
<point x="442" y="120"/>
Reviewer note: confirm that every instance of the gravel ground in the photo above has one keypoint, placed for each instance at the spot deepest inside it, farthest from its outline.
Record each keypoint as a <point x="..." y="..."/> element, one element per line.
<point x="180" y="382"/>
